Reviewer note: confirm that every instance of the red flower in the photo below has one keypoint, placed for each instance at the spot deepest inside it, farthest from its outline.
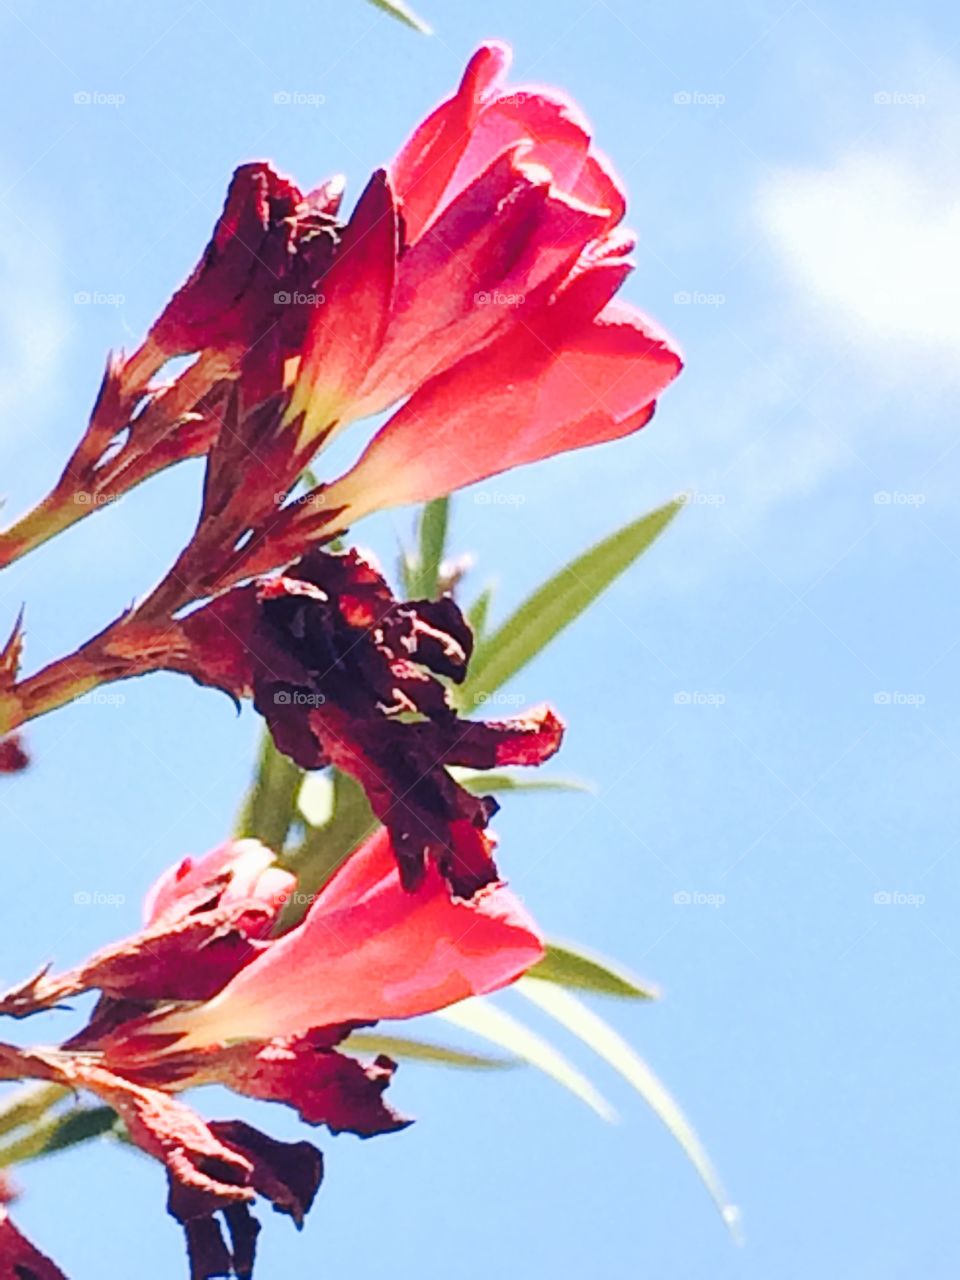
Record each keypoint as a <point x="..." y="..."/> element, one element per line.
<point x="475" y="276"/>
<point x="207" y="993"/>
<point x="474" y="281"/>
<point x="345" y="674"/>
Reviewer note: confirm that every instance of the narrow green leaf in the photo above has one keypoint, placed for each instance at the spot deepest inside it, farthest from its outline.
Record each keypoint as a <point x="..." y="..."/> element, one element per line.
<point x="502" y="1029"/>
<point x="573" y="1014"/>
<point x="434" y="523"/>
<point x="28" y="1103"/>
<point x="269" y="809"/>
<point x="555" y="605"/>
<point x="479" y="612"/>
<point x="482" y="784"/>
<point x="403" y="13"/>
<point x="426" y="1051"/>
<point x="55" y="1133"/>
<point x="568" y="966"/>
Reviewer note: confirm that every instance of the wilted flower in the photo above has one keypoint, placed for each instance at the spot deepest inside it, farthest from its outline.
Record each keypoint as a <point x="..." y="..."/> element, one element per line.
<point x="256" y="282"/>
<point x="345" y="674"/>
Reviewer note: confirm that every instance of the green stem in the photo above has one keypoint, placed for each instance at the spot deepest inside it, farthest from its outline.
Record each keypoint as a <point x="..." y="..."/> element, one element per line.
<point x="48" y="518"/>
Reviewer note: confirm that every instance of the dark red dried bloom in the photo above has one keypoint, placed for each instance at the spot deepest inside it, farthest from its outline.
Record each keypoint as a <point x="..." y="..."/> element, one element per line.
<point x="268" y="253"/>
<point x="13" y="756"/>
<point x="346" y="674"/>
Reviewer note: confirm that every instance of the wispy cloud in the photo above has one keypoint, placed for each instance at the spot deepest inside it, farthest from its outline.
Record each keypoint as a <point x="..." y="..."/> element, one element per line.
<point x="871" y="243"/>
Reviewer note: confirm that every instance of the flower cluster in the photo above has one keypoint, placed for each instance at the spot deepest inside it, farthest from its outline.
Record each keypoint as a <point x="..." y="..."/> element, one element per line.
<point x="471" y="291"/>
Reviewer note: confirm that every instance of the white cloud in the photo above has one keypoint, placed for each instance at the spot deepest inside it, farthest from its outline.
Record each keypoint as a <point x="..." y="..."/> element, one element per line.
<point x="874" y="244"/>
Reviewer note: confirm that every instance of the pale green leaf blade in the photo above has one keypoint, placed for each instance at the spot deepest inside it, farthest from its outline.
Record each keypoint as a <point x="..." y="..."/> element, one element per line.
<point x="433" y="527"/>
<point x="403" y="13"/>
<point x="425" y="1051"/>
<point x="479" y="612"/>
<point x="573" y="1014"/>
<point x="569" y="966"/>
<point x="557" y="603"/>
<point x="482" y="784"/>
<point x="28" y="1103"/>
<point x="56" y="1133"/>
<point x="491" y="1023"/>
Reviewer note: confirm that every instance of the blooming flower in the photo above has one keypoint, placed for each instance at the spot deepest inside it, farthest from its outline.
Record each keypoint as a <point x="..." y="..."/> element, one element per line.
<point x="207" y="993"/>
<point x="474" y="281"/>
<point x="476" y="276"/>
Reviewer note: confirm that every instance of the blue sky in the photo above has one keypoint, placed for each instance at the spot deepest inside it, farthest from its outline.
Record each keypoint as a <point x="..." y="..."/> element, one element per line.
<point x="768" y="702"/>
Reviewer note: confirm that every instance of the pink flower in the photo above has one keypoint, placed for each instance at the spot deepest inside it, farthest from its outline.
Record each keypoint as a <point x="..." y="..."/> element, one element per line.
<point x="476" y="276"/>
<point x="208" y="993"/>
<point x="367" y="949"/>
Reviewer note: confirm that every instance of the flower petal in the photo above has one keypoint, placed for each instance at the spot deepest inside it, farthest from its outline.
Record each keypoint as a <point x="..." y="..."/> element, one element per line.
<point x="347" y="327"/>
<point x="326" y="1087"/>
<point x="288" y="1174"/>
<point x="391" y="954"/>
<point x="246" y="868"/>
<point x="475" y="272"/>
<point x="19" y="1259"/>
<point x="528" y="397"/>
<point x="428" y="159"/>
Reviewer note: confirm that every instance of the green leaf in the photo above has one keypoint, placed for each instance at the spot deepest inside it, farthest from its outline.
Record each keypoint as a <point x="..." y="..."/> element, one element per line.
<point x="479" y="612"/>
<point x="28" y="1103"/>
<point x="557" y="603"/>
<point x="269" y="808"/>
<point x="423" y="574"/>
<point x="571" y="1013"/>
<point x="491" y="1023"/>
<point x="425" y="1051"/>
<point x="482" y="784"/>
<point x="403" y="13"/>
<point x="55" y="1133"/>
<point x="567" y="966"/>
<point x="434" y="525"/>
